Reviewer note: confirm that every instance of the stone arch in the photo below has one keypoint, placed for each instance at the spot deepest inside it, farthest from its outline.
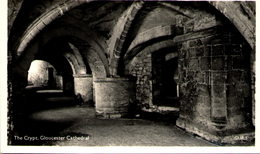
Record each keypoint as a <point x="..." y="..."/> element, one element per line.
<point x="150" y="34"/>
<point x="65" y="70"/>
<point x="45" y="19"/>
<point x="78" y="42"/>
<point x="79" y="60"/>
<point x="72" y="61"/>
<point x="62" y="47"/>
<point x="241" y="16"/>
<point x="63" y="65"/>
<point x="240" y="22"/>
<point x="73" y="56"/>
<point x="129" y="58"/>
<point x="141" y="38"/>
<point x="96" y="65"/>
<point x="119" y="35"/>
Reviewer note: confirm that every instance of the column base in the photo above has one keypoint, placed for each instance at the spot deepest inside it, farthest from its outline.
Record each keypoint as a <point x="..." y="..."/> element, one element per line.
<point x="103" y="115"/>
<point x="241" y="136"/>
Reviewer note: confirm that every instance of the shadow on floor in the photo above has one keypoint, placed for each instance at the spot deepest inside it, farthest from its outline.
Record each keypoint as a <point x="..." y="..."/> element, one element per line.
<point x="54" y="119"/>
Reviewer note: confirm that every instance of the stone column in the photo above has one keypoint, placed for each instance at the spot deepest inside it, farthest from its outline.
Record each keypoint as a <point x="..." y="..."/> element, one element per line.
<point x="83" y="85"/>
<point x="113" y="96"/>
<point x="215" y="88"/>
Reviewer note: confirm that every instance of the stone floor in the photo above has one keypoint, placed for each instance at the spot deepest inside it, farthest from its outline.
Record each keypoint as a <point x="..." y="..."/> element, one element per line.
<point x="67" y="124"/>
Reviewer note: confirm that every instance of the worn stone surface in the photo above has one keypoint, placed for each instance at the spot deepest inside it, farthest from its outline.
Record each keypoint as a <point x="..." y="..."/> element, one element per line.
<point x="113" y="97"/>
<point x="13" y="9"/>
<point x="243" y="21"/>
<point x="215" y="84"/>
<point x="143" y="73"/>
<point x="39" y="75"/>
<point x="83" y="85"/>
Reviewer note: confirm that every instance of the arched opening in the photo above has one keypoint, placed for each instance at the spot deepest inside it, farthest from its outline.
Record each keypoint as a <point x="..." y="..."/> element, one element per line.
<point x="165" y="79"/>
<point x="49" y="85"/>
<point x="42" y="74"/>
<point x="155" y="67"/>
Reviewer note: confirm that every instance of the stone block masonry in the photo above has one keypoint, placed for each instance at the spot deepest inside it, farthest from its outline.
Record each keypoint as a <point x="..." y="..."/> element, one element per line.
<point x="113" y="97"/>
<point x="83" y="85"/>
<point x="143" y="73"/>
<point x="215" y="80"/>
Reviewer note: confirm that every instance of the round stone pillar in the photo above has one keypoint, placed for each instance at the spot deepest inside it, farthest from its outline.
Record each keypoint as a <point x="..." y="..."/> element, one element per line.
<point x="83" y="85"/>
<point x="113" y="96"/>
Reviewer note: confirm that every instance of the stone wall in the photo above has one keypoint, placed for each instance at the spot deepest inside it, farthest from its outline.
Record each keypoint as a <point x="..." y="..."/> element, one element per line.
<point x="143" y="73"/>
<point x="215" y="83"/>
<point x="39" y="75"/>
<point x="155" y="17"/>
<point x="13" y="9"/>
<point x="83" y="87"/>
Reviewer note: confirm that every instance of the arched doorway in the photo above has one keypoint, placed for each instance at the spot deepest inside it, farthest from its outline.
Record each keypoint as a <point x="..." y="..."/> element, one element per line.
<point x="165" y="78"/>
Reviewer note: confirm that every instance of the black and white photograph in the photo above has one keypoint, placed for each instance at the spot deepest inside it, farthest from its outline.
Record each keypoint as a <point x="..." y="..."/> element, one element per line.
<point x="92" y="73"/>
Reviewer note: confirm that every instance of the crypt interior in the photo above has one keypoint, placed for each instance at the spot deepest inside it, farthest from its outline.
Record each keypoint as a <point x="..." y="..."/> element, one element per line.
<point x="131" y="73"/>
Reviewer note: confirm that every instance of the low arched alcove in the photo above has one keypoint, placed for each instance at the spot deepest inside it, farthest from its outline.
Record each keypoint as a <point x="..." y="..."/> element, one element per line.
<point x="43" y="74"/>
